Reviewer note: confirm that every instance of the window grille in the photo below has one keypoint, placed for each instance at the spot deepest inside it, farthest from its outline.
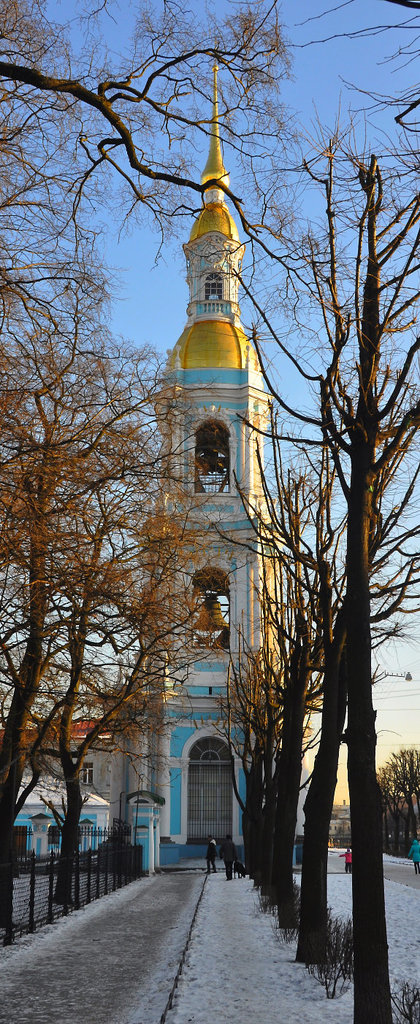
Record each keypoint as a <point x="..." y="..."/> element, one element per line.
<point x="213" y="286"/>
<point x="209" y="790"/>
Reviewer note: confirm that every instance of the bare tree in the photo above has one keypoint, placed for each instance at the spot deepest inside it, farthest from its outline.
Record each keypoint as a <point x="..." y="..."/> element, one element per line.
<point x="87" y="561"/>
<point x="360" y="279"/>
<point x="136" y="117"/>
<point x="289" y="663"/>
<point x="252" y="713"/>
<point x="399" y="780"/>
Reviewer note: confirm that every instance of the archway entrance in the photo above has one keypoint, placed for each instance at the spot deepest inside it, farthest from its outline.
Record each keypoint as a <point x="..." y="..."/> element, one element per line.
<point x="209" y="790"/>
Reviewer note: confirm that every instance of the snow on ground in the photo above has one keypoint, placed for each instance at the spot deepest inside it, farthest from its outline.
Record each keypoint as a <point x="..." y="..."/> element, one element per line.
<point x="236" y="964"/>
<point x="114" y="962"/>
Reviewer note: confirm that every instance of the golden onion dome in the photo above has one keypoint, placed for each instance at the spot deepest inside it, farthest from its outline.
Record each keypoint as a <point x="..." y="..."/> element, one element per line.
<point x="214" y="217"/>
<point x="209" y="344"/>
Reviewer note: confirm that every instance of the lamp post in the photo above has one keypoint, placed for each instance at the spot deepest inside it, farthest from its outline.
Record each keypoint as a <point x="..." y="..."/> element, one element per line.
<point x="392" y="675"/>
<point x="120" y="807"/>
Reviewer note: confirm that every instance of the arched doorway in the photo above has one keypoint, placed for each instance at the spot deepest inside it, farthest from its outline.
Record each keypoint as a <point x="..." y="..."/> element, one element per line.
<point x="209" y="790"/>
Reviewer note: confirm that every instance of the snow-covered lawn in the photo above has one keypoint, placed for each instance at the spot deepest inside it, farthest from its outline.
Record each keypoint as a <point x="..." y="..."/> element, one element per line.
<point x="236" y="967"/>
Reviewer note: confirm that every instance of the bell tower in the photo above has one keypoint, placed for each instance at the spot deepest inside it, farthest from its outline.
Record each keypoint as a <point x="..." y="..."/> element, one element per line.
<point x="219" y="386"/>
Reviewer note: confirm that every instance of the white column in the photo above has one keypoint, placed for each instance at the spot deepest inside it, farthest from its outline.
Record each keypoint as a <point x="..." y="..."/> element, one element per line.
<point x="164" y="784"/>
<point x="157" y="840"/>
<point x="151" y="844"/>
<point x="184" y="799"/>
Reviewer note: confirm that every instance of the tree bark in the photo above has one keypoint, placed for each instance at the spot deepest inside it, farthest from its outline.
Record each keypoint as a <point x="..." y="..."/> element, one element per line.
<point x="69" y="841"/>
<point x="290" y="771"/>
<point x="372" y="999"/>
<point x="318" y="807"/>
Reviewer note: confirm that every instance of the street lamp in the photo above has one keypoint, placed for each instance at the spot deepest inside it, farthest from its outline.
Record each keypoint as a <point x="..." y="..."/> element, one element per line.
<point x="392" y="675"/>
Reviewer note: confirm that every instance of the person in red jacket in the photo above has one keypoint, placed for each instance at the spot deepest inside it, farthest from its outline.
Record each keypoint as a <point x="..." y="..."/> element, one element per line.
<point x="348" y="860"/>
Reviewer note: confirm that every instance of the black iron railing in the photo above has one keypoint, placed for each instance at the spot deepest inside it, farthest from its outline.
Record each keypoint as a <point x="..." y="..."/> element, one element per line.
<point x="36" y="891"/>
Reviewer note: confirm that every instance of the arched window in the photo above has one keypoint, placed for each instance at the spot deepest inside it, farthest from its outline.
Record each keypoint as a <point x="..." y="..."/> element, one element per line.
<point x="213" y="286"/>
<point x="212" y="458"/>
<point x="209" y="790"/>
<point x="211" y="588"/>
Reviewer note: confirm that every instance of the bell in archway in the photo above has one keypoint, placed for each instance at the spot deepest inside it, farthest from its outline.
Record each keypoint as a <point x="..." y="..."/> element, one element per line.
<point x="210" y="618"/>
<point x="214" y="612"/>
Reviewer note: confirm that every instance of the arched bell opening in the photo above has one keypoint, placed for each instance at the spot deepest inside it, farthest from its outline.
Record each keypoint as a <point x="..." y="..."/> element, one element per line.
<point x="212" y="462"/>
<point x="209" y="790"/>
<point x="211" y="591"/>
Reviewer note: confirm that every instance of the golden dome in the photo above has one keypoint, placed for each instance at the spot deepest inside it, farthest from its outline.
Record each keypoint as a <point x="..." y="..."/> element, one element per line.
<point x="214" y="217"/>
<point x="213" y="343"/>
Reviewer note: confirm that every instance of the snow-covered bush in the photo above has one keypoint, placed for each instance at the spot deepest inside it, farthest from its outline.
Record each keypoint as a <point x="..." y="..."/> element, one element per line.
<point x="406" y="1004"/>
<point x="336" y="972"/>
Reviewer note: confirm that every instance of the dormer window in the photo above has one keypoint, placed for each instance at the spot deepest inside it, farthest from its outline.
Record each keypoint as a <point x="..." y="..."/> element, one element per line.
<point x="212" y="459"/>
<point x="213" y="286"/>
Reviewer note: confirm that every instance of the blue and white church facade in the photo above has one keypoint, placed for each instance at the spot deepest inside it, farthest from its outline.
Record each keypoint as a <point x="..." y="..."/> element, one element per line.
<point x="173" y="786"/>
<point x="219" y="399"/>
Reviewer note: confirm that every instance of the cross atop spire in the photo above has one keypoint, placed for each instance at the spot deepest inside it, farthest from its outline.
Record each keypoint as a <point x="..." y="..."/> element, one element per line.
<point x="215" y="167"/>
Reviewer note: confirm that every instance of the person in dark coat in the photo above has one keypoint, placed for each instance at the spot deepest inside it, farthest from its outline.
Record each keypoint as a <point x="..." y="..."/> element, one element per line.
<point x="211" y="855"/>
<point x="228" y="854"/>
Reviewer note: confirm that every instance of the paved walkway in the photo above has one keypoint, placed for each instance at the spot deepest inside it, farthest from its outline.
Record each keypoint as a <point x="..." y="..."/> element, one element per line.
<point x="94" y="967"/>
<point x="402" y="873"/>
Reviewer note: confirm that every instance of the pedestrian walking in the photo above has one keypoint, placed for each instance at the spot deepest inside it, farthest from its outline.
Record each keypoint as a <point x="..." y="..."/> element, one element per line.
<point x="348" y="860"/>
<point x="211" y="854"/>
<point x="414" y="853"/>
<point x="228" y="854"/>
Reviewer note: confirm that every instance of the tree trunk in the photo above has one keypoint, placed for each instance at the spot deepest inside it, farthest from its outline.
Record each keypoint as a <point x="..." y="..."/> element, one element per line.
<point x="372" y="999"/>
<point x="69" y="841"/>
<point x="252" y="821"/>
<point x="318" y="807"/>
<point x="267" y="835"/>
<point x="290" y="770"/>
<point x="13" y="749"/>
<point x="14" y="758"/>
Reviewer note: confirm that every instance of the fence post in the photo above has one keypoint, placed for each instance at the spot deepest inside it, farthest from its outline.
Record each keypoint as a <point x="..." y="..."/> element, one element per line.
<point x="119" y="864"/>
<point x="50" y="888"/>
<point x="31" y="924"/>
<point x="68" y="883"/>
<point x="98" y="873"/>
<point x="106" y="872"/>
<point x="114" y="867"/>
<point x="88" y="873"/>
<point x="77" y="880"/>
<point x="6" y="896"/>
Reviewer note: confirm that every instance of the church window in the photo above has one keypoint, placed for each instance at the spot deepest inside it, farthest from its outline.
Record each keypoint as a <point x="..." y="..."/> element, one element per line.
<point x="212" y="459"/>
<point x="213" y="286"/>
<point x="211" y="589"/>
<point x="209" y="790"/>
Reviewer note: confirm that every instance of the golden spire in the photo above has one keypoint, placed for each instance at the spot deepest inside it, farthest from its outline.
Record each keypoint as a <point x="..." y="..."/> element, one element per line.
<point x="215" y="167"/>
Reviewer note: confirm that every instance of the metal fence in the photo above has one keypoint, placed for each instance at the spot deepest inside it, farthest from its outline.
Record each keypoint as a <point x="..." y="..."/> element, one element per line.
<point x="36" y="891"/>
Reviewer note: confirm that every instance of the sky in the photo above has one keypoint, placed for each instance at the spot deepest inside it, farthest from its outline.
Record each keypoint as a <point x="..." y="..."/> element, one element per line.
<point x="330" y="72"/>
<point x="325" y="77"/>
